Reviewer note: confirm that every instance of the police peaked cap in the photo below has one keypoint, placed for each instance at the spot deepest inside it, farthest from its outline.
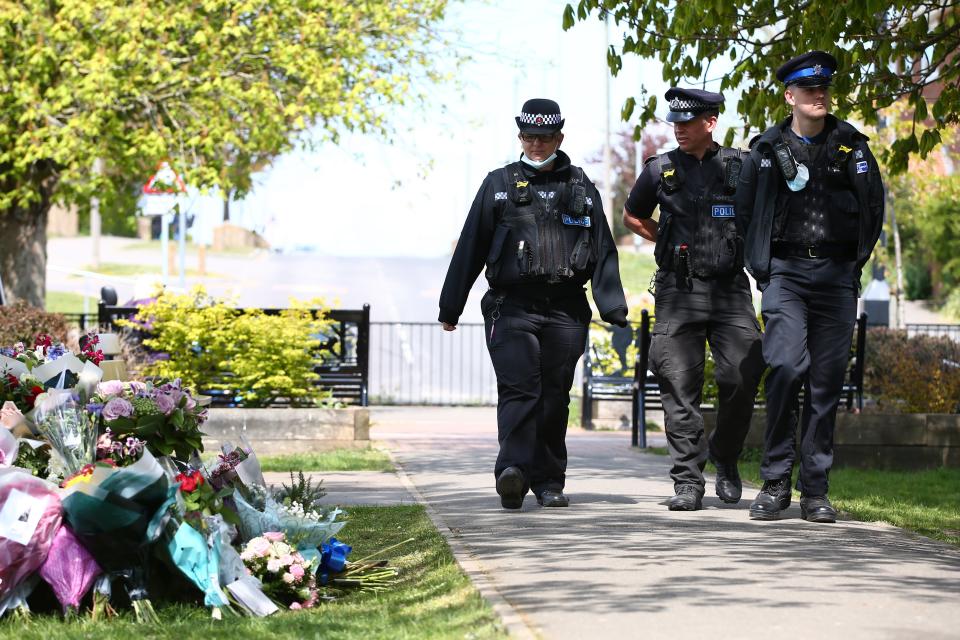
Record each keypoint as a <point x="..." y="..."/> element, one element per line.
<point x="687" y="104"/>
<point x="812" y="69"/>
<point x="540" y="115"/>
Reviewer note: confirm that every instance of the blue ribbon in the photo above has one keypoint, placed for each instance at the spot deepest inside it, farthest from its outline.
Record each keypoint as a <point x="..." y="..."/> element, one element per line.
<point x="333" y="555"/>
<point x="807" y="73"/>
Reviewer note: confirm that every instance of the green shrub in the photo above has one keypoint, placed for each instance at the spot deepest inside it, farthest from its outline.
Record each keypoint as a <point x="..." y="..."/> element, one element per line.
<point x="919" y="285"/>
<point x="910" y="375"/>
<point x="20" y="322"/>
<point x="213" y="346"/>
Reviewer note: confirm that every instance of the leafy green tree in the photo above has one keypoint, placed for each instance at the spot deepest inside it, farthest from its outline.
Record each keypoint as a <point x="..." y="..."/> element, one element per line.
<point x="888" y="50"/>
<point x="201" y="84"/>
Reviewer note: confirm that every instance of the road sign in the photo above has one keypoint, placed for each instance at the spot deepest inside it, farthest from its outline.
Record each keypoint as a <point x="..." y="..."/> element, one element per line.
<point x="159" y="204"/>
<point x="165" y="180"/>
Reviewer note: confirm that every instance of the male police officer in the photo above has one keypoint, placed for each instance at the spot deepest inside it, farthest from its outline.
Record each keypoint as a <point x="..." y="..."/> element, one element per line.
<point x="702" y="294"/>
<point x="811" y="198"/>
<point x="539" y="227"/>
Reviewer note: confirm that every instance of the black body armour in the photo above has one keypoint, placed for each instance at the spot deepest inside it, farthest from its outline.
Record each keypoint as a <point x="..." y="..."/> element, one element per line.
<point x="543" y="238"/>
<point x="825" y="212"/>
<point x="715" y="250"/>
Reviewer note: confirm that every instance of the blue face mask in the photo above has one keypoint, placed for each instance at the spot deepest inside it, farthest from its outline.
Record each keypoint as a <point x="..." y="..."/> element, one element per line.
<point x="536" y="164"/>
<point x="800" y="180"/>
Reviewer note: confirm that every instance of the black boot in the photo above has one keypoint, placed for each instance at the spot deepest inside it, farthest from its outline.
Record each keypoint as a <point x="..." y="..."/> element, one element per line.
<point x="551" y="498"/>
<point x="689" y="497"/>
<point x="773" y="498"/>
<point x="817" y="509"/>
<point x="512" y="486"/>
<point x="729" y="487"/>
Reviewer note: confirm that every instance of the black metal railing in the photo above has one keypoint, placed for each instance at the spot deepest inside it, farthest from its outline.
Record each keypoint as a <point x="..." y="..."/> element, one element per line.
<point x="419" y="363"/>
<point x="951" y="331"/>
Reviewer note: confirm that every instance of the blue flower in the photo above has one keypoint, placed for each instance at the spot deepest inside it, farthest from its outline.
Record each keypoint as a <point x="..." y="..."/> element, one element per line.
<point x="56" y="351"/>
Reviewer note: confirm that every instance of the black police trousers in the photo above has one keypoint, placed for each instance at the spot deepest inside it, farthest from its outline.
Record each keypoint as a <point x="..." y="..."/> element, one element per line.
<point x="719" y="311"/>
<point x="809" y="310"/>
<point x="535" y="344"/>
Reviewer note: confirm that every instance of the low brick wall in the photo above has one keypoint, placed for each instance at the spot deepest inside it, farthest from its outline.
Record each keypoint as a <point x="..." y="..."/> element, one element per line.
<point x="272" y="431"/>
<point x="881" y="441"/>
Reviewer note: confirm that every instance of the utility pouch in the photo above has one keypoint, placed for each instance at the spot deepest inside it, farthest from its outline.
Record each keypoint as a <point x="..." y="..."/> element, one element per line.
<point x="670" y="180"/>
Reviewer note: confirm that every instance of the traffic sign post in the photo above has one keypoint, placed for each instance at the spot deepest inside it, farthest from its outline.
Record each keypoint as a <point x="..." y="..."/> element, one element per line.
<point x="163" y="190"/>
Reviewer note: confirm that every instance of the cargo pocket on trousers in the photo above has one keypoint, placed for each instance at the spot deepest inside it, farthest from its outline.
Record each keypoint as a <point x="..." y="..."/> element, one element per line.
<point x="658" y="339"/>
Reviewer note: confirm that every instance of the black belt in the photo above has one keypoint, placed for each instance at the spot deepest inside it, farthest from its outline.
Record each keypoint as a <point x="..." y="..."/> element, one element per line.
<point x="540" y="290"/>
<point x="835" y="251"/>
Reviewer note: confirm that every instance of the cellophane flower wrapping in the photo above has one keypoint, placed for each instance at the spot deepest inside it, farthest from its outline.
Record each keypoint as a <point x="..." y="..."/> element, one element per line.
<point x="30" y="515"/>
<point x="69" y="569"/>
<point x="70" y="430"/>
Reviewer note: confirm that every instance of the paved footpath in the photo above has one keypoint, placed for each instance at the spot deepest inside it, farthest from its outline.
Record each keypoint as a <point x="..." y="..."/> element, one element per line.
<point x="618" y="564"/>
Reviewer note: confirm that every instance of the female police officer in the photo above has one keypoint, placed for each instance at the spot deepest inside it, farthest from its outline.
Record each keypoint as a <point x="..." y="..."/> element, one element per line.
<point x="539" y="227"/>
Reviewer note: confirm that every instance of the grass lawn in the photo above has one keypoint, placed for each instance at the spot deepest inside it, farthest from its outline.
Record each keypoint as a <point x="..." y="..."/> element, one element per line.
<point x="336" y="460"/>
<point x="154" y="245"/>
<point x="635" y="271"/>
<point x="433" y="599"/>
<point x="61" y="302"/>
<point x="126" y="269"/>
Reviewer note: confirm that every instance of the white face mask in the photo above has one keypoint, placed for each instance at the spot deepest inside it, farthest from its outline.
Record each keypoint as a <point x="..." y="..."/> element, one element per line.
<point x="536" y="164"/>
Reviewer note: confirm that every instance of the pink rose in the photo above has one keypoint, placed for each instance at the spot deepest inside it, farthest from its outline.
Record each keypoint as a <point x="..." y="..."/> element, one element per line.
<point x="297" y="571"/>
<point x="117" y="408"/>
<point x="273" y="536"/>
<point x="273" y="566"/>
<point x="295" y="606"/>
<point x="10" y="416"/>
<point x="286" y="560"/>
<point x="258" y="547"/>
<point x="165" y="404"/>
<point x="287" y="577"/>
<point x="110" y="388"/>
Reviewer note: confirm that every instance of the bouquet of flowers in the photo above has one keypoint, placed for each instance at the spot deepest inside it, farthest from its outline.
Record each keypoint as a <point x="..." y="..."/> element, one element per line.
<point x="72" y="435"/>
<point x="117" y="514"/>
<point x="53" y="365"/>
<point x="286" y="576"/>
<point x="69" y="569"/>
<point x="166" y="416"/>
<point x="29" y="519"/>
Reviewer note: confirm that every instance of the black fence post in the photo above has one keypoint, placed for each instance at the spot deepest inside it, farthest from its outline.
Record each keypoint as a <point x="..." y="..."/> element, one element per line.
<point x="639" y="435"/>
<point x="363" y="355"/>
<point x="586" y="408"/>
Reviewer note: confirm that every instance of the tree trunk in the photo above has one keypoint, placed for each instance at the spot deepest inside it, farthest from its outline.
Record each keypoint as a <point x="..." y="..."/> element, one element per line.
<point x="23" y="253"/>
<point x="226" y="208"/>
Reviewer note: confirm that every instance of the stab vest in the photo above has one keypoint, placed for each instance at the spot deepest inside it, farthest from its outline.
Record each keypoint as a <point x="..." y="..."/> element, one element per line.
<point x="543" y="239"/>
<point x="715" y="250"/>
<point x="825" y="211"/>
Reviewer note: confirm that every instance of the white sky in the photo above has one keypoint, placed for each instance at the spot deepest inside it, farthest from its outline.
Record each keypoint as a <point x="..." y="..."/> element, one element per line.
<point x="368" y="197"/>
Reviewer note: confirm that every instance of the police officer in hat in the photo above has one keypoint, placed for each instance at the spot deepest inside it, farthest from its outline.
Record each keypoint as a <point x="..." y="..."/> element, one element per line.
<point x="702" y="295"/>
<point x="538" y="226"/>
<point x="811" y="198"/>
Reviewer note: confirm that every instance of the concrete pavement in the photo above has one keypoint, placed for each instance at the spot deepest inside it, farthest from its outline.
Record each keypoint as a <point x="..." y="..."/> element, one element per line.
<point x="617" y="563"/>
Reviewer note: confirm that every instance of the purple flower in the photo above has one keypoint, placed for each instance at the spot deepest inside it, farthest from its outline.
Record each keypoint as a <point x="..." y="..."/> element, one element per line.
<point x="56" y="351"/>
<point x="110" y="388"/>
<point x="95" y="408"/>
<point x="165" y="403"/>
<point x="117" y="408"/>
<point x="7" y="351"/>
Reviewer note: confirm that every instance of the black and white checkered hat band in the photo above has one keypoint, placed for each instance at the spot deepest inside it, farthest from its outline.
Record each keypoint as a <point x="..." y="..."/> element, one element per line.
<point x="679" y="104"/>
<point x="540" y="119"/>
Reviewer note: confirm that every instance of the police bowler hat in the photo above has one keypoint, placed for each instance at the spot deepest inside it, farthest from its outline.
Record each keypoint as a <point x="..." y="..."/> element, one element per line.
<point x="687" y="104"/>
<point x="540" y="116"/>
<point x="812" y="69"/>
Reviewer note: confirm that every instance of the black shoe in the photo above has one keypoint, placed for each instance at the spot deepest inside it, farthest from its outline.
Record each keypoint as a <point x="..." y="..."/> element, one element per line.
<point x="817" y="509"/>
<point x="551" y="498"/>
<point x="689" y="498"/>
<point x="511" y="486"/>
<point x="729" y="487"/>
<point x="773" y="498"/>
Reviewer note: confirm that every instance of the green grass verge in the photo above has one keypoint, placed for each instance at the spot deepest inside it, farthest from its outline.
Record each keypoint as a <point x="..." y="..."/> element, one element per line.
<point x="335" y="460"/>
<point x="433" y="599"/>
<point x="62" y="302"/>
<point x="154" y="245"/>
<point x="635" y="271"/>
<point x="126" y="269"/>
<point x="926" y="502"/>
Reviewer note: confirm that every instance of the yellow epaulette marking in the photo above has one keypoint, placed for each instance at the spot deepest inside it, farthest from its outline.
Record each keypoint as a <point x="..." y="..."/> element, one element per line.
<point x="668" y="173"/>
<point x="845" y="149"/>
<point x="521" y="185"/>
